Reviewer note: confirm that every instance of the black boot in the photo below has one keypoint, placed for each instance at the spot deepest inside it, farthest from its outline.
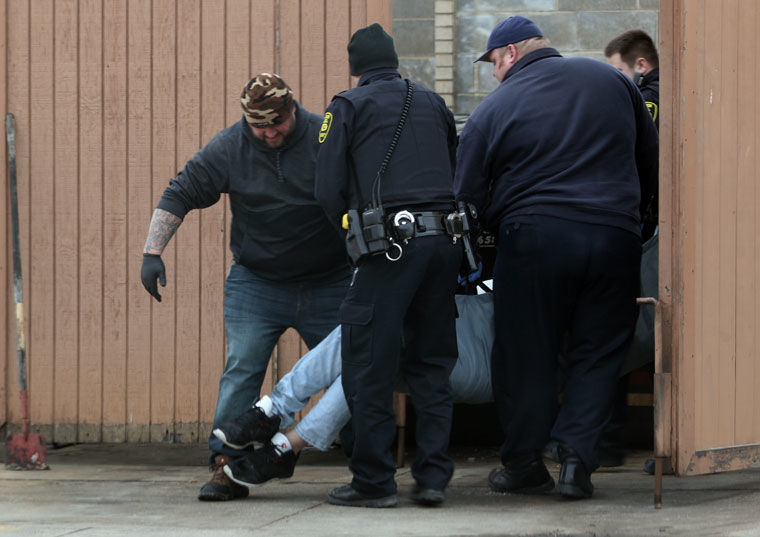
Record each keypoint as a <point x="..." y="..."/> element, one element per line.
<point x="427" y="497"/>
<point x="522" y="474"/>
<point x="350" y="497"/>
<point x="221" y="488"/>
<point x="574" y="480"/>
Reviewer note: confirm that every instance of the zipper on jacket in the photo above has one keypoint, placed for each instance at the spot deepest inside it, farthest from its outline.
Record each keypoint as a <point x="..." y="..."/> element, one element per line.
<point x="280" y="177"/>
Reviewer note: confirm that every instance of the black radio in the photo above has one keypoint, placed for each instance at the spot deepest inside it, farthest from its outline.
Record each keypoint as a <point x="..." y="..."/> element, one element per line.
<point x="366" y="234"/>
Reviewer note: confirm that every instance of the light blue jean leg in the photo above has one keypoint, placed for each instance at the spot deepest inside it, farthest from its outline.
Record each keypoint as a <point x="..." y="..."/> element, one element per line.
<point x="319" y="369"/>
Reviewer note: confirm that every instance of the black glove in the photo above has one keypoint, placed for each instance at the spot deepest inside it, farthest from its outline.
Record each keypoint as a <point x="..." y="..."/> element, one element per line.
<point x="152" y="268"/>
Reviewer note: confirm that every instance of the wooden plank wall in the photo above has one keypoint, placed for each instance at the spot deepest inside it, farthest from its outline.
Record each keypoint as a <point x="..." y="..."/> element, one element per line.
<point x="5" y="274"/>
<point x="111" y="98"/>
<point x="714" y="236"/>
<point x="673" y="169"/>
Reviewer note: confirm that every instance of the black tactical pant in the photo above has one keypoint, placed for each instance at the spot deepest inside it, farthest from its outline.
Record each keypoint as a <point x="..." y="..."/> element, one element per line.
<point x="559" y="281"/>
<point x="413" y="299"/>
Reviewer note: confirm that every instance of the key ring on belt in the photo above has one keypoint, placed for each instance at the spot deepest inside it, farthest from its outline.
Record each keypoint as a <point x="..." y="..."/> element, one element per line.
<point x="400" y="252"/>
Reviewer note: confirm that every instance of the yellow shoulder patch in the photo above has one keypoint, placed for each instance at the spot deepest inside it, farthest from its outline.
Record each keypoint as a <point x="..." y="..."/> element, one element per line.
<point x="652" y="107"/>
<point x="325" y="128"/>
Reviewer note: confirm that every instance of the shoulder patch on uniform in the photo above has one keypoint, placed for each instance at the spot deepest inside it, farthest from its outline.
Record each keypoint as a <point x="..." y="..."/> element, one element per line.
<point x="325" y="128"/>
<point x="652" y="107"/>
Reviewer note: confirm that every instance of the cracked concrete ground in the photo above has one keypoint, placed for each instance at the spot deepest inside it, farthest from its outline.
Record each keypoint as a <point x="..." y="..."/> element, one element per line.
<point x="150" y="490"/>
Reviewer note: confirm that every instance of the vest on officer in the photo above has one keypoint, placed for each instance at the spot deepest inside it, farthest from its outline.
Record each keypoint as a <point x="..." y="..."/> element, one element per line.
<point x="420" y="172"/>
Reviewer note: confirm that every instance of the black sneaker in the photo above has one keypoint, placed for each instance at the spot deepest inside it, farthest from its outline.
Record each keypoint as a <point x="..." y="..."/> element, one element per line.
<point x="251" y="426"/>
<point x="262" y="465"/>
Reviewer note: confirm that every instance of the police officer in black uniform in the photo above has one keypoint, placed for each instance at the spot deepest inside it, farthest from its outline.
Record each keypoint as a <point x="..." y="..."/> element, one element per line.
<point x="634" y="54"/>
<point x="394" y="178"/>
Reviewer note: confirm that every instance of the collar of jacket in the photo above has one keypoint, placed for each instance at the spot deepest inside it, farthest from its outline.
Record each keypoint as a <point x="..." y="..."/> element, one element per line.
<point x="531" y="57"/>
<point x="651" y="76"/>
<point x="378" y="74"/>
<point x="302" y="125"/>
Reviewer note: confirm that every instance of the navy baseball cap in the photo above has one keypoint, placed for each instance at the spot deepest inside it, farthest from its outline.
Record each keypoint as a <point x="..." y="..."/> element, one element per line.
<point x="511" y="30"/>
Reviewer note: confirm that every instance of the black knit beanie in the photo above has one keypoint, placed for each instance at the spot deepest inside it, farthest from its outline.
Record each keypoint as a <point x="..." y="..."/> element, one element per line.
<point x="371" y="48"/>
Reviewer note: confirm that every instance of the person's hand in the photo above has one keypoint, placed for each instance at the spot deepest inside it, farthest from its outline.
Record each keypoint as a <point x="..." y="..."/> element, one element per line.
<point x="152" y="269"/>
<point x="472" y="277"/>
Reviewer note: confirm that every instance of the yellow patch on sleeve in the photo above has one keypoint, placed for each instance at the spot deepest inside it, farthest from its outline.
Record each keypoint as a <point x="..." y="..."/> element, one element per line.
<point x="325" y="128"/>
<point x="652" y="107"/>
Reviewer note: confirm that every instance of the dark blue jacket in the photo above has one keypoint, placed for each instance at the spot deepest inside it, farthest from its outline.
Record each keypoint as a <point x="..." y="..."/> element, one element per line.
<point x="278" y="230"/>
<point x="649" y="85"/>
<point x="357" y="131"/>
<point x="564" y="137"/>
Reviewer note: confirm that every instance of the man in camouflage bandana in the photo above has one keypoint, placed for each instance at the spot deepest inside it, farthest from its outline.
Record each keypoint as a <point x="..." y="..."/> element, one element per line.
<point x="266" y="99"/>
<point x="269" y="108"/>
<point x="289" y="266"/>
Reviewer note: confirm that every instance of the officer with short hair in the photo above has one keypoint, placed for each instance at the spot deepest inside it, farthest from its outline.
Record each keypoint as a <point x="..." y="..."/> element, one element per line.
<point x="394" y="178"/>
<point x="633" y="52"/>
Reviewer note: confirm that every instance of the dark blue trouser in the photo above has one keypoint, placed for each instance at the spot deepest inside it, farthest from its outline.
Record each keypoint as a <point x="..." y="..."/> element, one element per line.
<point x="557" y="279"/>
<point x="411" y="298"/>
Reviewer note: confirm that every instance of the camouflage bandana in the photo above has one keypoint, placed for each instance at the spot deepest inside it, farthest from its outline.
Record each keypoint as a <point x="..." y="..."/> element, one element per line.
<point x="266" y="100"/>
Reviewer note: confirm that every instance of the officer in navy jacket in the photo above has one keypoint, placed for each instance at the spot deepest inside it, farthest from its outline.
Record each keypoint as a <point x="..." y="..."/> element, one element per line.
<point x="411" y="298"/>
<point x="289" y="267"/>
<point x="555" y="160"/>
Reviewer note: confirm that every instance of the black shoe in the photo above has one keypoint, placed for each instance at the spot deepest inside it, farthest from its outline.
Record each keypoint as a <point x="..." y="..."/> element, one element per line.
<point x="262" y="465"/>
<point x="525" y="474"/>
<point x="428" y="497"/>
<point x="574" y="480"/>
<point x="346" y="495"/>
<point x="251" y="426"/>
<point x="220" y="488"/>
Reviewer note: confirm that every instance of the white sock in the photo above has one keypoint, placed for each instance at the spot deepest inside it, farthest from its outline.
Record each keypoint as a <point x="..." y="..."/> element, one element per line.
<point x="265" y="404"/>
<point x="281" y="443"/>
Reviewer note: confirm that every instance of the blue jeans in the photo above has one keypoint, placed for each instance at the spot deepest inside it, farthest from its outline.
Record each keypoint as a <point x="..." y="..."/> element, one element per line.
<point x="320" y="369"/>
<point x="256" y="313"/>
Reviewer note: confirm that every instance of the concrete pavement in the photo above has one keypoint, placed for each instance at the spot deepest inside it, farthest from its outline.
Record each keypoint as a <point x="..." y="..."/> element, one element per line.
<point x="150" y="490"/>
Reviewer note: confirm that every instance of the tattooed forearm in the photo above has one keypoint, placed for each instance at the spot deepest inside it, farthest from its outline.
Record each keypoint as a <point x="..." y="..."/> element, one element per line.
<point x="163" y="225"/>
